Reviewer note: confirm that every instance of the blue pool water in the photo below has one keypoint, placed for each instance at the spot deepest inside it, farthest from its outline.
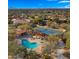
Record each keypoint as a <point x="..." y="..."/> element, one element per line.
<point x="28" y="44"/>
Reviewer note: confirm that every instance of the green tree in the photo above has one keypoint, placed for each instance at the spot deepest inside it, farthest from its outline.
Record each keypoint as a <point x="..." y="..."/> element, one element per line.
<point x="11" y="33"/>
<point x="37" y="20"/>
<point x="25" y="26"/>
<point x="52" y="41"/>
<point x="68" y="40"/>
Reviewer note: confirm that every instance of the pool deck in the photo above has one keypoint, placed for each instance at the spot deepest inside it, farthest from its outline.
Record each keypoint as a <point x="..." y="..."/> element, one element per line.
<point x="41" y="46"/>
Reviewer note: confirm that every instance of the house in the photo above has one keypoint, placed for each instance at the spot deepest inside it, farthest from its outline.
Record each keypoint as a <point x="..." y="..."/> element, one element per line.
<point x="18" y="20"/>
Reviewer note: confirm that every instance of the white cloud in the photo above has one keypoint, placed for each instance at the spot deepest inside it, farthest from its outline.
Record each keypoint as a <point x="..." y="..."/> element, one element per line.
<point x="64" y="1"/>
<point x="67" y="6"/>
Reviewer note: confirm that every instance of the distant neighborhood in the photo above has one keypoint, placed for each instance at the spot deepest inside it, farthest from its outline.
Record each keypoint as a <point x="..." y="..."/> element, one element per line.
<point x="39" y="33"/>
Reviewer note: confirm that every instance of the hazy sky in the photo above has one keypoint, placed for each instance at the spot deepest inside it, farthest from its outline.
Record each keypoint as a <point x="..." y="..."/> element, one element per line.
<point x="38" y="3"/>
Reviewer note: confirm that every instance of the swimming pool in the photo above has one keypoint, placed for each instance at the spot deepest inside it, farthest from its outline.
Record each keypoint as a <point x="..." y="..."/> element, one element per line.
<point x="28" y="44"/>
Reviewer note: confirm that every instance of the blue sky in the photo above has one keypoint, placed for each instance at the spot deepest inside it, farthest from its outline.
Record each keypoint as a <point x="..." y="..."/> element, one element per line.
<point x="38" y="3"/>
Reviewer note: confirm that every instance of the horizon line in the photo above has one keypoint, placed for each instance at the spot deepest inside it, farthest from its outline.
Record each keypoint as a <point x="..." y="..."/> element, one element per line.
<point x="38" y="8"/>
